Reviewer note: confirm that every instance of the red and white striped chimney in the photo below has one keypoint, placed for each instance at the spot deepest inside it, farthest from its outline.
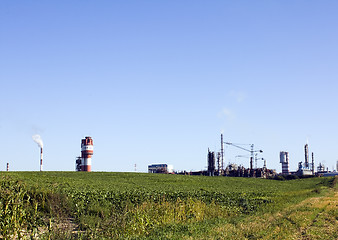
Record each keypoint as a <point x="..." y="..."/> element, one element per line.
<point x="41" y="157"/>
<point x="86" y="154"/>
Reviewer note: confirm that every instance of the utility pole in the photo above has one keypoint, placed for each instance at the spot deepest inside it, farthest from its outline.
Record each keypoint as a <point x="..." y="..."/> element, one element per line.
<point x="252" y="156"/>
<point x="313" y="164"/>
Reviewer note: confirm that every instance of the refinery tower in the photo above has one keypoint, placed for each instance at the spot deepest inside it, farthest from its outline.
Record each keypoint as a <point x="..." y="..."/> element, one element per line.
<point x="284" y="160"/>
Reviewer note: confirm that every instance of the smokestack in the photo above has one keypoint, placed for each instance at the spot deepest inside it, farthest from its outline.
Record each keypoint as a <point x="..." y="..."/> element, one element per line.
<point x="7" y="168"/>
<point x="219" y="163"/>
<point x="306" y="148"/>
<point x="41" y="156"/>
<point x="38" y="140"/>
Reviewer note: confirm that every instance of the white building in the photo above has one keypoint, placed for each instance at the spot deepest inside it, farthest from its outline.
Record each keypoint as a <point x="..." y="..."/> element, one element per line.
<point x="160" y="168"/>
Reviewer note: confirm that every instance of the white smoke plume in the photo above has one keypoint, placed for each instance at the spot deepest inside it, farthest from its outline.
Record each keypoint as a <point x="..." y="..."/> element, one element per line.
<point x="38" y="140"/>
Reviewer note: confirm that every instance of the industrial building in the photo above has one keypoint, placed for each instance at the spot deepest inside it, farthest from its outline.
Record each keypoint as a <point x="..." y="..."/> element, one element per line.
<point x="232" y="170"/>
<point x="305" y="169"/>
<point x="284" y="160"/>
<point x="324" y="171"/>
<point x="215" y="161"/>
<point x="321" y="168"/>
<point x="84" y="163"/>
<point x="160" y="168"/>
<point x="211" y="163"/>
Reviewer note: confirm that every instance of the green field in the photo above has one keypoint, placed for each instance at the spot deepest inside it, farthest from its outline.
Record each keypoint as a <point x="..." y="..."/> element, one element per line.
<point x="99" y="205"/>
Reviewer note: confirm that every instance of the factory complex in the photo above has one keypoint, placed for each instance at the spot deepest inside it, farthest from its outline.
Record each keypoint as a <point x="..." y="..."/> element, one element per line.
<point x="215" y="163"/>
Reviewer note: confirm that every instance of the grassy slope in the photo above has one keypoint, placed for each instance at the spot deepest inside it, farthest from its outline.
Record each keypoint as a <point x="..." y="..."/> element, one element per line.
<point x="286" y="217"/>
<point x="312" y="218"/>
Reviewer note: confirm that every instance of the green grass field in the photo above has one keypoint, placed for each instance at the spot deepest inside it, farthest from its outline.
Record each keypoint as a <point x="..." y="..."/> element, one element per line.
<point x="99" y="205"/>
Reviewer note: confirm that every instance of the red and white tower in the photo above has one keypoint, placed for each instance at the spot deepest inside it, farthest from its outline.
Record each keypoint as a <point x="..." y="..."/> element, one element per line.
<point x="86" y="154"/>
<point x="41" y="157"/>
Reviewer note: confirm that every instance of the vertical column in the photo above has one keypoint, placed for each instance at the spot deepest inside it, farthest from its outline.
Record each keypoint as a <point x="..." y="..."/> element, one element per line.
<point x="306" y="149"/>
<point x="86" y="154"/>
<point x="222" y="153"/>
<point x="41" y="156"/>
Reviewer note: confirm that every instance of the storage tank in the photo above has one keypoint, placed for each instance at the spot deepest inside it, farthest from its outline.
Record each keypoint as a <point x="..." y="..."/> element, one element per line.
<point x="284" y="160"/>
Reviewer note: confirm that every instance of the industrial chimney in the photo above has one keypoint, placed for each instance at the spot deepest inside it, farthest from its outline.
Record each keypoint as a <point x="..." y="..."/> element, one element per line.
<point x="41" y="157"/>
<point x="86" y="154"/>
<point x="38" y="140"/>
<point x="306" y="149"/>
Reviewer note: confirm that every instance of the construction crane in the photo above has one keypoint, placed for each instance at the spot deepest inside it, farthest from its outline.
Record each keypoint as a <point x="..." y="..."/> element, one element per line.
<point x="251" y="150"/>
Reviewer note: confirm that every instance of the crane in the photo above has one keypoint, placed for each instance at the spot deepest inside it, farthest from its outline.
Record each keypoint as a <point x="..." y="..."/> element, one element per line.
<point x="251" y="150"/>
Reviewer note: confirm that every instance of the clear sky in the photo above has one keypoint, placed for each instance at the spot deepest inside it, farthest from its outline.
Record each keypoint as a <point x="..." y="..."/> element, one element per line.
<point x="158" y="81"/>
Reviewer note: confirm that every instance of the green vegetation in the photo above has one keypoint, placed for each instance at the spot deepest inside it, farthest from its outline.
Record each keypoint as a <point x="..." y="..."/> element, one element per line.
<point x="79" y="205"/>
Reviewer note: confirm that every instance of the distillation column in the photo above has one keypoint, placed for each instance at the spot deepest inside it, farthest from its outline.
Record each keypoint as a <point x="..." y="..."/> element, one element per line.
<point x="284" y="160"/>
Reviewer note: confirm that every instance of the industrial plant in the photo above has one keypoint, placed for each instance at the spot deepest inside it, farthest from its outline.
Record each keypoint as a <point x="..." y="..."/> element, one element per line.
<point x="305" y="169"/>
<point x="234" y="170"/>
<point x="215" y="162"/>
<point x="215" y="165"/>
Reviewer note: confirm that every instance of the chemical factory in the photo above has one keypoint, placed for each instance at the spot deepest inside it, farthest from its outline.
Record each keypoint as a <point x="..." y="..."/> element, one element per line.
<point x="215" y="162"/>
<point x="233" y="170"/>
<point x="215" y="165"/>
<point x="305" y="169"/>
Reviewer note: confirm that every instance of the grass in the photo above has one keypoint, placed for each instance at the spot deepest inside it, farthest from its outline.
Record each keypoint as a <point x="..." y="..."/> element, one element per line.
<point x="313" y="218"/>
<point x="79" y="205"/>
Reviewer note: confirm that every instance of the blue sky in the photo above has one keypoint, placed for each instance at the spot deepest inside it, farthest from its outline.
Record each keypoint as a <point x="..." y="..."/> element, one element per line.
<point x="158" y="81"/>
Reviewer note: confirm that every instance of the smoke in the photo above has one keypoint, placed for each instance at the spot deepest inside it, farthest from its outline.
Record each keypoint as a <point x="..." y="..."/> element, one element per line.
<point x="38" y="140"/>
